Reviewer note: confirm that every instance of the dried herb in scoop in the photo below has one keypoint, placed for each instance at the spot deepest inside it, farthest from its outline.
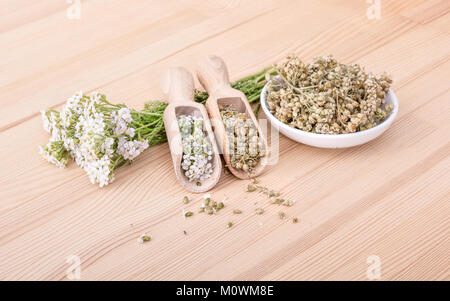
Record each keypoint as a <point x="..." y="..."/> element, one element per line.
<point x="244" y="144"/>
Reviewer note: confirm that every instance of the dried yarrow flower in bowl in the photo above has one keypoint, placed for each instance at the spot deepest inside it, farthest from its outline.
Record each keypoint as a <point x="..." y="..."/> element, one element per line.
<point x="327" y="103"/>
<point x="98" y="135"/>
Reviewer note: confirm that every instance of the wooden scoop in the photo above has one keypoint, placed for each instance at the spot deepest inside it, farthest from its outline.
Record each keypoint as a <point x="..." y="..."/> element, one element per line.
<point x="178" y="87"/>
<point x="213" y="75"/>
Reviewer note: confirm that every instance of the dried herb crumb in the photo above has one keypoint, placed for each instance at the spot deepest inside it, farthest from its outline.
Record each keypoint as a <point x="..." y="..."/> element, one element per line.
<point x="230" y="224"/>
<point x="282" y="215"/>
<point x="237" y="211"/>
<point x="295" y="220"/>
<point x="144" y="238"/>
<point x="259" y="211"/>
<point x="189" y="213"/>
<point x="251" y="188"/>
<point x="273" y="193"/>
<point x="185" y="200"/>
<point x="278" y="201"/>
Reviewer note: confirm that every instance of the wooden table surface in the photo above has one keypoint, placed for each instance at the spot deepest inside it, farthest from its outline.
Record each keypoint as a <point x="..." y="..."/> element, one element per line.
<point x="388" y="198"/>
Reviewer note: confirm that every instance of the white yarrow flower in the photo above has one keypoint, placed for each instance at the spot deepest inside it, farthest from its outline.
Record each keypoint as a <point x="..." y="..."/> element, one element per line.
<point x="98" y="135"/>
<point x="197" y="148"/>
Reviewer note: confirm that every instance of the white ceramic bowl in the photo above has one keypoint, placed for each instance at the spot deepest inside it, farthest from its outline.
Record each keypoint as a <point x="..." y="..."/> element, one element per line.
<point x="332" y="141"/>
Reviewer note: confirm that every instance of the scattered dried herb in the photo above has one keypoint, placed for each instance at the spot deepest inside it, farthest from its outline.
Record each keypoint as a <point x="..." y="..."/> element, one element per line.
<point x="220" y="205"/>
<point x="259" y="211"/>
<point x="189" y="213"/>
<point x="185" y="200"/>
<point x="283" y="202"/>
<point x="230" y="224"/>
<point x="294" y="220"/>
<point x="282" y="215"/>
<point x="251" y="188"/>
<point x="237" y="211"/>
<point x="144" y="238"/>
<point x="272" y="193"/>
<point x="265" y="190"/>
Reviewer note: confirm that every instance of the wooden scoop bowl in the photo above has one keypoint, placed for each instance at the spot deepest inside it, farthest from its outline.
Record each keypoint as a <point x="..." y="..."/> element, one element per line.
<point x="213" y="75"/>
<point x="178" y="87"/>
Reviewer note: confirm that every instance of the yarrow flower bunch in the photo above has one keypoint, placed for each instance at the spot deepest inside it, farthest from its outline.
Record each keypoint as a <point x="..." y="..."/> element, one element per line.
<point x="100" y="136"/>
<point x="197" y="149"/>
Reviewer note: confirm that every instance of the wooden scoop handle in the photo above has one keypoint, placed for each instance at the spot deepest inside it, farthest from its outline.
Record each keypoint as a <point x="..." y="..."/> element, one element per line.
<point x="213" y="74"/>
<point x="177" y="85"/>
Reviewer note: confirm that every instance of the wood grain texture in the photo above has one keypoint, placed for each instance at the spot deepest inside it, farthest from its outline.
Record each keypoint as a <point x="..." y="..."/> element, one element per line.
<point x="388" y="198"/>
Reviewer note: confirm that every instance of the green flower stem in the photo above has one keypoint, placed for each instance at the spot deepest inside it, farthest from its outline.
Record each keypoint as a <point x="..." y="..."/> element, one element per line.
<point x="150" y="125"/>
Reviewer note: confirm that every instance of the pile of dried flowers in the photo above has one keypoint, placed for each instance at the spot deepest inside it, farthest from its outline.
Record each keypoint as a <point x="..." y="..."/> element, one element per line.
<point x="244" y="144"/>
<point x="328" y="97"/>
